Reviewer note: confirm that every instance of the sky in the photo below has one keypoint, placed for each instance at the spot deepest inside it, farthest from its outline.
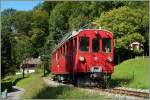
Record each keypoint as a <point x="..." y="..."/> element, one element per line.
<point x="19" y="4"/>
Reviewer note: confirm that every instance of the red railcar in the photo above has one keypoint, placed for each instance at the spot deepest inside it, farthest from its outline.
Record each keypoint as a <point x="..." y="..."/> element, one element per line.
<point x="85" y="56"/>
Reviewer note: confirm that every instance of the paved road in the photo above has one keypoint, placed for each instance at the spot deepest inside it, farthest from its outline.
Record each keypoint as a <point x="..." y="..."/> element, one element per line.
<point x="15" y="94"/>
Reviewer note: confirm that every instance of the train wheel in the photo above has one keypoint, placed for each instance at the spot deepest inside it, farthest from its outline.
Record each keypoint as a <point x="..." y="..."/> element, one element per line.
<point x="78" y="82"/>
<point x="83" y="82"/>
<point x="54" y="78"/>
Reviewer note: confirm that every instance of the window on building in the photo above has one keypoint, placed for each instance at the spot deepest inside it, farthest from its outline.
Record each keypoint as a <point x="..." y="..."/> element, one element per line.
<point x="106" y="45"/>
<point x="95" y="45"/>
<point x="84" y="43"/>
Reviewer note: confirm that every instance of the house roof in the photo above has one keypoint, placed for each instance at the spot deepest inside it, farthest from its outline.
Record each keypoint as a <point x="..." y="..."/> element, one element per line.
<point x="135" y="43"/>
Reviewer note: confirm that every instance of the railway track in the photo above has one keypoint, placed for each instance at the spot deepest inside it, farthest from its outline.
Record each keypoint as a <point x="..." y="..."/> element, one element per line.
<point x="126" y="92"/>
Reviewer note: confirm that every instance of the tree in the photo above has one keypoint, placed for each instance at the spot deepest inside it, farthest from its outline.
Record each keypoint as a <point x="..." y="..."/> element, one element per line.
<point x="22" y="49"/>
<point x="8" y="27"/>
<point x="40" y="20"/>
<point x="23" y="22"/>
<point x="124" y="21"/>
<point x="48" y="6"/>
<point x="39" y="30"/>
<point x="58" y="21"/>
<point x="127" y="24"/>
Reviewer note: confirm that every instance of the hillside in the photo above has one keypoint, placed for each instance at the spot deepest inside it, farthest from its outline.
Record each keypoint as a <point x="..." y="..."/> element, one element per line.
<point x="132" y="73"/>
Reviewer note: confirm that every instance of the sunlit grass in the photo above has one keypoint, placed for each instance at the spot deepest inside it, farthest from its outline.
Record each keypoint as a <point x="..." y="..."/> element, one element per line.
<point x="63" y="92"/>
<point x="35" y="88"/>
<point x="132" y="73"/>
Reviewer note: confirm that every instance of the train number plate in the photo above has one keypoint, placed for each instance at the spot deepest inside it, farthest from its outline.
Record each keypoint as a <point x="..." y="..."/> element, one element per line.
<point x="96" y="69"/>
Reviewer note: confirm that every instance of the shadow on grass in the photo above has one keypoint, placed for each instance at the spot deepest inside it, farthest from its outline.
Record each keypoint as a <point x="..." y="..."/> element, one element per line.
<point x="120" y="82"/>
<point x="50" y="92"/>
<point x="18" y="79"/>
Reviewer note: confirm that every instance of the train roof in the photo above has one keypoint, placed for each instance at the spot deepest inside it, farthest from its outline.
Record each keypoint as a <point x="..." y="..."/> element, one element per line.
<point x="72" y="34"/>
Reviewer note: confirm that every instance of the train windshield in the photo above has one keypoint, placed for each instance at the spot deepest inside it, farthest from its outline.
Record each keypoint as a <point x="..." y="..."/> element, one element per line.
<point x="95" y="45"/>
<point x="84" y="43"/>
<point x="106" y="45"/>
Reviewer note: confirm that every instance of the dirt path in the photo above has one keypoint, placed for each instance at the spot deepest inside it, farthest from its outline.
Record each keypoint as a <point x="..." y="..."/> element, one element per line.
<point x="15" y="94"/>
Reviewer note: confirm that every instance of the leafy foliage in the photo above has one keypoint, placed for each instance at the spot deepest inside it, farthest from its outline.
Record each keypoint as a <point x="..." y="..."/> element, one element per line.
<point x="8" y="17"/>
<point x="23" y="22"/>
<point x="126" y="23"/>
<point x="22" y="49"/>
<point x="35" y="33"/>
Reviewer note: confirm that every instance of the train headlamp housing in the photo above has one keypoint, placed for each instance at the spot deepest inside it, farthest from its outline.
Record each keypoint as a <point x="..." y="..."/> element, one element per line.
<point x="81" y="58"/>
<point x="109" y="59"/>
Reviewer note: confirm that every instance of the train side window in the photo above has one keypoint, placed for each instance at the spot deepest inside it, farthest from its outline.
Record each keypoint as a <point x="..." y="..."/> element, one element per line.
<point x="106" y="45"/>
<point x="66" y="48"/>
<point x="57" y="54"/>
<point x="84" y="43"/>
<point x="71" y="46"/>
<point x="75" y="44"/>
<point x="61" y="50"/>
<point x="95" y="44"/>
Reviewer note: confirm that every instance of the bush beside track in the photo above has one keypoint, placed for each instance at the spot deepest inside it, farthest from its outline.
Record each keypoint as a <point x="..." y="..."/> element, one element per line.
<point x="132" y="73"/>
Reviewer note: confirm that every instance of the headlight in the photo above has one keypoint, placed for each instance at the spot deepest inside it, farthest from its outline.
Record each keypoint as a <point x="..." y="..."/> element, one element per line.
<point x="81" y="58"/>
<point x="109" y="59"/>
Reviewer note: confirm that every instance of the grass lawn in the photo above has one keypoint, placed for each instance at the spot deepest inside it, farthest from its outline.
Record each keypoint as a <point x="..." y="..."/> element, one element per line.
<point x="132" y="73"/>
<point x="35" y="88"/>
<point x="63" y="92"/>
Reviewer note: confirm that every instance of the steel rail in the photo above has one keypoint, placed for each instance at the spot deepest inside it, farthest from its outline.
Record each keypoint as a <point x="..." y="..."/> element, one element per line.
<point x="128" y="92"/>
<point x="125" y="92"/>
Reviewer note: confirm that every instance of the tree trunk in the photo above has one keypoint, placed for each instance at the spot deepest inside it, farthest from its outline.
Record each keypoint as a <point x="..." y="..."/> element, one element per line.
<point x="118" y="58"/>
<point x="23" y="72"/>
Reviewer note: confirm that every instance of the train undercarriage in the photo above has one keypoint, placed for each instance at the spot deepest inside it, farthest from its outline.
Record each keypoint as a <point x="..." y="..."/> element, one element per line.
<point x="81" y="80"/>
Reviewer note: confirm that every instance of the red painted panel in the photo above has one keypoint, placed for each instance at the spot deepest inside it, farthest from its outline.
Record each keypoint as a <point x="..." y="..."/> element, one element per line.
<point x="70" y="62"/>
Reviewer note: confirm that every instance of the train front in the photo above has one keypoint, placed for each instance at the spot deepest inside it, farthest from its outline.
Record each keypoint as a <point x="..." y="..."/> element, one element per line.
<point x="95" y="57"/>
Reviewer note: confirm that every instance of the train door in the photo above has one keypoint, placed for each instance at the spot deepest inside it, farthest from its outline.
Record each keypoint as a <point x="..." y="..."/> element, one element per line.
<point x="107" y="51"/>
<point x="83" y="52"/>
<point x="71" y="55"/>
<point x="69" y="58"/>
<point x="95" y="52"/>
<point x="74" y="51"/>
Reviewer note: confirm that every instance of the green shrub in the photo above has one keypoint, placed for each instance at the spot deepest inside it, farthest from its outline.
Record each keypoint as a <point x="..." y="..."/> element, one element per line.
<point x="6" y="85"/>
